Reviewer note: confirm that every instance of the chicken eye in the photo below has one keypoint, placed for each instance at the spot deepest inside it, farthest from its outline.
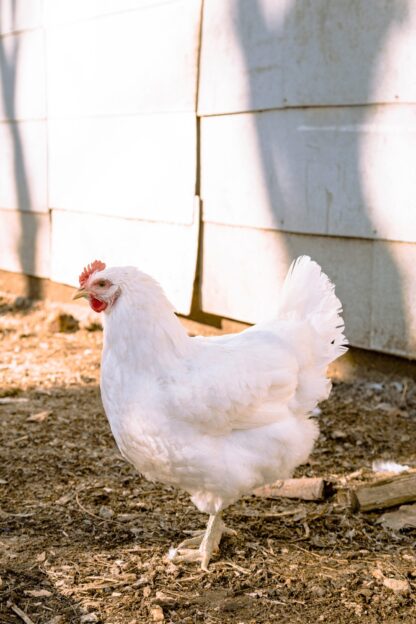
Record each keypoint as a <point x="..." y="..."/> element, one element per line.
<point x="101" y="284"/>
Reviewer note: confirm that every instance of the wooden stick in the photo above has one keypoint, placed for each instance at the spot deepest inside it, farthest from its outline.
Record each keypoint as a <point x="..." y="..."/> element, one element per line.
<point x="26" y="619"/>
<point x="389" y="492"/>
<point x="306" y="488"/>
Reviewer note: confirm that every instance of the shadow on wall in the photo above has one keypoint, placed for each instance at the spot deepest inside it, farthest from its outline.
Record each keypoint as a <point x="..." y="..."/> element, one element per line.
<point x="250" y="21"/>
<point x="26" y="244"/>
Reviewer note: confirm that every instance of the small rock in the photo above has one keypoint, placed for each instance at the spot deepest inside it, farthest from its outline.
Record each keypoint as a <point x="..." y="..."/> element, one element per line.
<point x="89" y="617"/>
<point x="405" y="516"/>
<point x="157" y="614"/>
<point x="396" y="585"/>
<point x="397" y="385"/>
<point x="146" y="592"/>
<point x="106" y="512"/>
<point x="378" y="387"/>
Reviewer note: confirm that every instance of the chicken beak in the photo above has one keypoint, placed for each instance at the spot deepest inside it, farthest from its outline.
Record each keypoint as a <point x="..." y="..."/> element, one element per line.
<point x="81" y="292"/>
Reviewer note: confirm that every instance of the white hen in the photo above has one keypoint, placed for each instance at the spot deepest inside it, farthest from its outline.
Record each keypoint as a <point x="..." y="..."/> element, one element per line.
<point x="217" y="417"/>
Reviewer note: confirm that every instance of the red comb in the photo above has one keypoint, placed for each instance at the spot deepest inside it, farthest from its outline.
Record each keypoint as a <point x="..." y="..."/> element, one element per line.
<point x="97" y="265"/>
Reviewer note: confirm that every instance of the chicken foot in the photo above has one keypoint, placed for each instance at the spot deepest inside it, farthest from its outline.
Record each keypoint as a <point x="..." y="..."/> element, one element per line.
<point x="201" y="546"/>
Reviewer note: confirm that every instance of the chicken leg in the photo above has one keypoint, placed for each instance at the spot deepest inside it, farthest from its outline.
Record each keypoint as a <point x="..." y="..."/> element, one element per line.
<point x="206" y="542"/>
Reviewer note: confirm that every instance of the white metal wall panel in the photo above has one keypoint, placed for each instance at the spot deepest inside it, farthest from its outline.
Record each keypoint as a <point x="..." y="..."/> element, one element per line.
<point x="344" y="171"/>
<point x="25" y="242"/>
<point x="393" y="288"/>
<point x="143" y="60"/>
<point x="23" y="166"/>
<point x="262" y="54"/>
<point x="18" y="15"/>
<point x="140" y="166"/>
<point x="22" y="76"/>
<point x="168" y="252"/>
<point x="63" y="11"/>
<point x="244" y="268"/>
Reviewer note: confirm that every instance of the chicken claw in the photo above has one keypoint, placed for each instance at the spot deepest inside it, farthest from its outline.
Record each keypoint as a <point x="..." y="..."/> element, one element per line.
<point x="206" y="543"/>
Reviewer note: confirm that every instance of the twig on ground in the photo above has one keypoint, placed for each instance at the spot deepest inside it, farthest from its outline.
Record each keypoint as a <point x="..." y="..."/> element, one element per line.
<point x="23" y="616"/>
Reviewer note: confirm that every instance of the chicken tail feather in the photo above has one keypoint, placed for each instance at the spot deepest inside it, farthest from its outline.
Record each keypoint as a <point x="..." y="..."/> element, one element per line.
<point x="308" y="294"/>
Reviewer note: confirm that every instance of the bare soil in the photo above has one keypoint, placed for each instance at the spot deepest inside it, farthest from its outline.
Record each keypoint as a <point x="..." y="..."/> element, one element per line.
<point x="84" y="538"/>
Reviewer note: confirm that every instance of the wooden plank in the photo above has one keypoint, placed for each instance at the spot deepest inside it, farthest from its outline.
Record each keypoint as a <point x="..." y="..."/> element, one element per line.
<point x="387" y="492"/>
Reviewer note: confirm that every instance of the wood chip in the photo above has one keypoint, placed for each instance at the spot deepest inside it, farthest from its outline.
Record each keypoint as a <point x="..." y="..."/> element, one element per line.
<point x="157" y="614"/>
<point x="38" y="593"/>
<point x="39" y="417"/>
<point x="8" y="400"/>
<point x="305" y="488"/>
<point x="387" y="492"/>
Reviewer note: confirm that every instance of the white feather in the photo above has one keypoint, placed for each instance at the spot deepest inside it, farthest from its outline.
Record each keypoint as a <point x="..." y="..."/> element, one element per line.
<point x="220" y="416"/>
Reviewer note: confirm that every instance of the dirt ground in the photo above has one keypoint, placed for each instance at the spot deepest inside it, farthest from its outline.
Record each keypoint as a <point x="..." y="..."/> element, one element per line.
<point x="84" y="538"/>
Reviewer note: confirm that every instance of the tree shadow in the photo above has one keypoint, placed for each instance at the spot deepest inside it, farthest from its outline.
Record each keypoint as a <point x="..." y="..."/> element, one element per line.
<point x="282" y="161"/>
<point x="27" y="243"/>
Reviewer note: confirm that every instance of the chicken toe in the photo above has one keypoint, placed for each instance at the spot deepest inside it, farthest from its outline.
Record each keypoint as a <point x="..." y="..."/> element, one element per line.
<point x="205" y="543"/>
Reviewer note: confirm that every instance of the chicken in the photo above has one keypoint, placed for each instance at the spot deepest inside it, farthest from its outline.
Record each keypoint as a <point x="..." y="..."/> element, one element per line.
<point x="219" y="416"/>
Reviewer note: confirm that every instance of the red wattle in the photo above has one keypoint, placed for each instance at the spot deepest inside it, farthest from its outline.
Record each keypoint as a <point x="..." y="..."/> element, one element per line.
<point x="97" y="305"/>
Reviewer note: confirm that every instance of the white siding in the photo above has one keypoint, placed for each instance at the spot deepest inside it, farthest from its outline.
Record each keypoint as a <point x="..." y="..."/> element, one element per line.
<point x="23" y="166"/>
<point x="244" y="269"/>
<point x="262" y="54"/>
<point x="344" y="171"/>
<point x="306" y="144"/>
<point x="22" y="73"/>
<point x="136" y="61"/>
<point x="141" y="166"/>
<point x="25" y="242"/>
<point x="18" y="15"/>
<point x="166" y="251"/>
